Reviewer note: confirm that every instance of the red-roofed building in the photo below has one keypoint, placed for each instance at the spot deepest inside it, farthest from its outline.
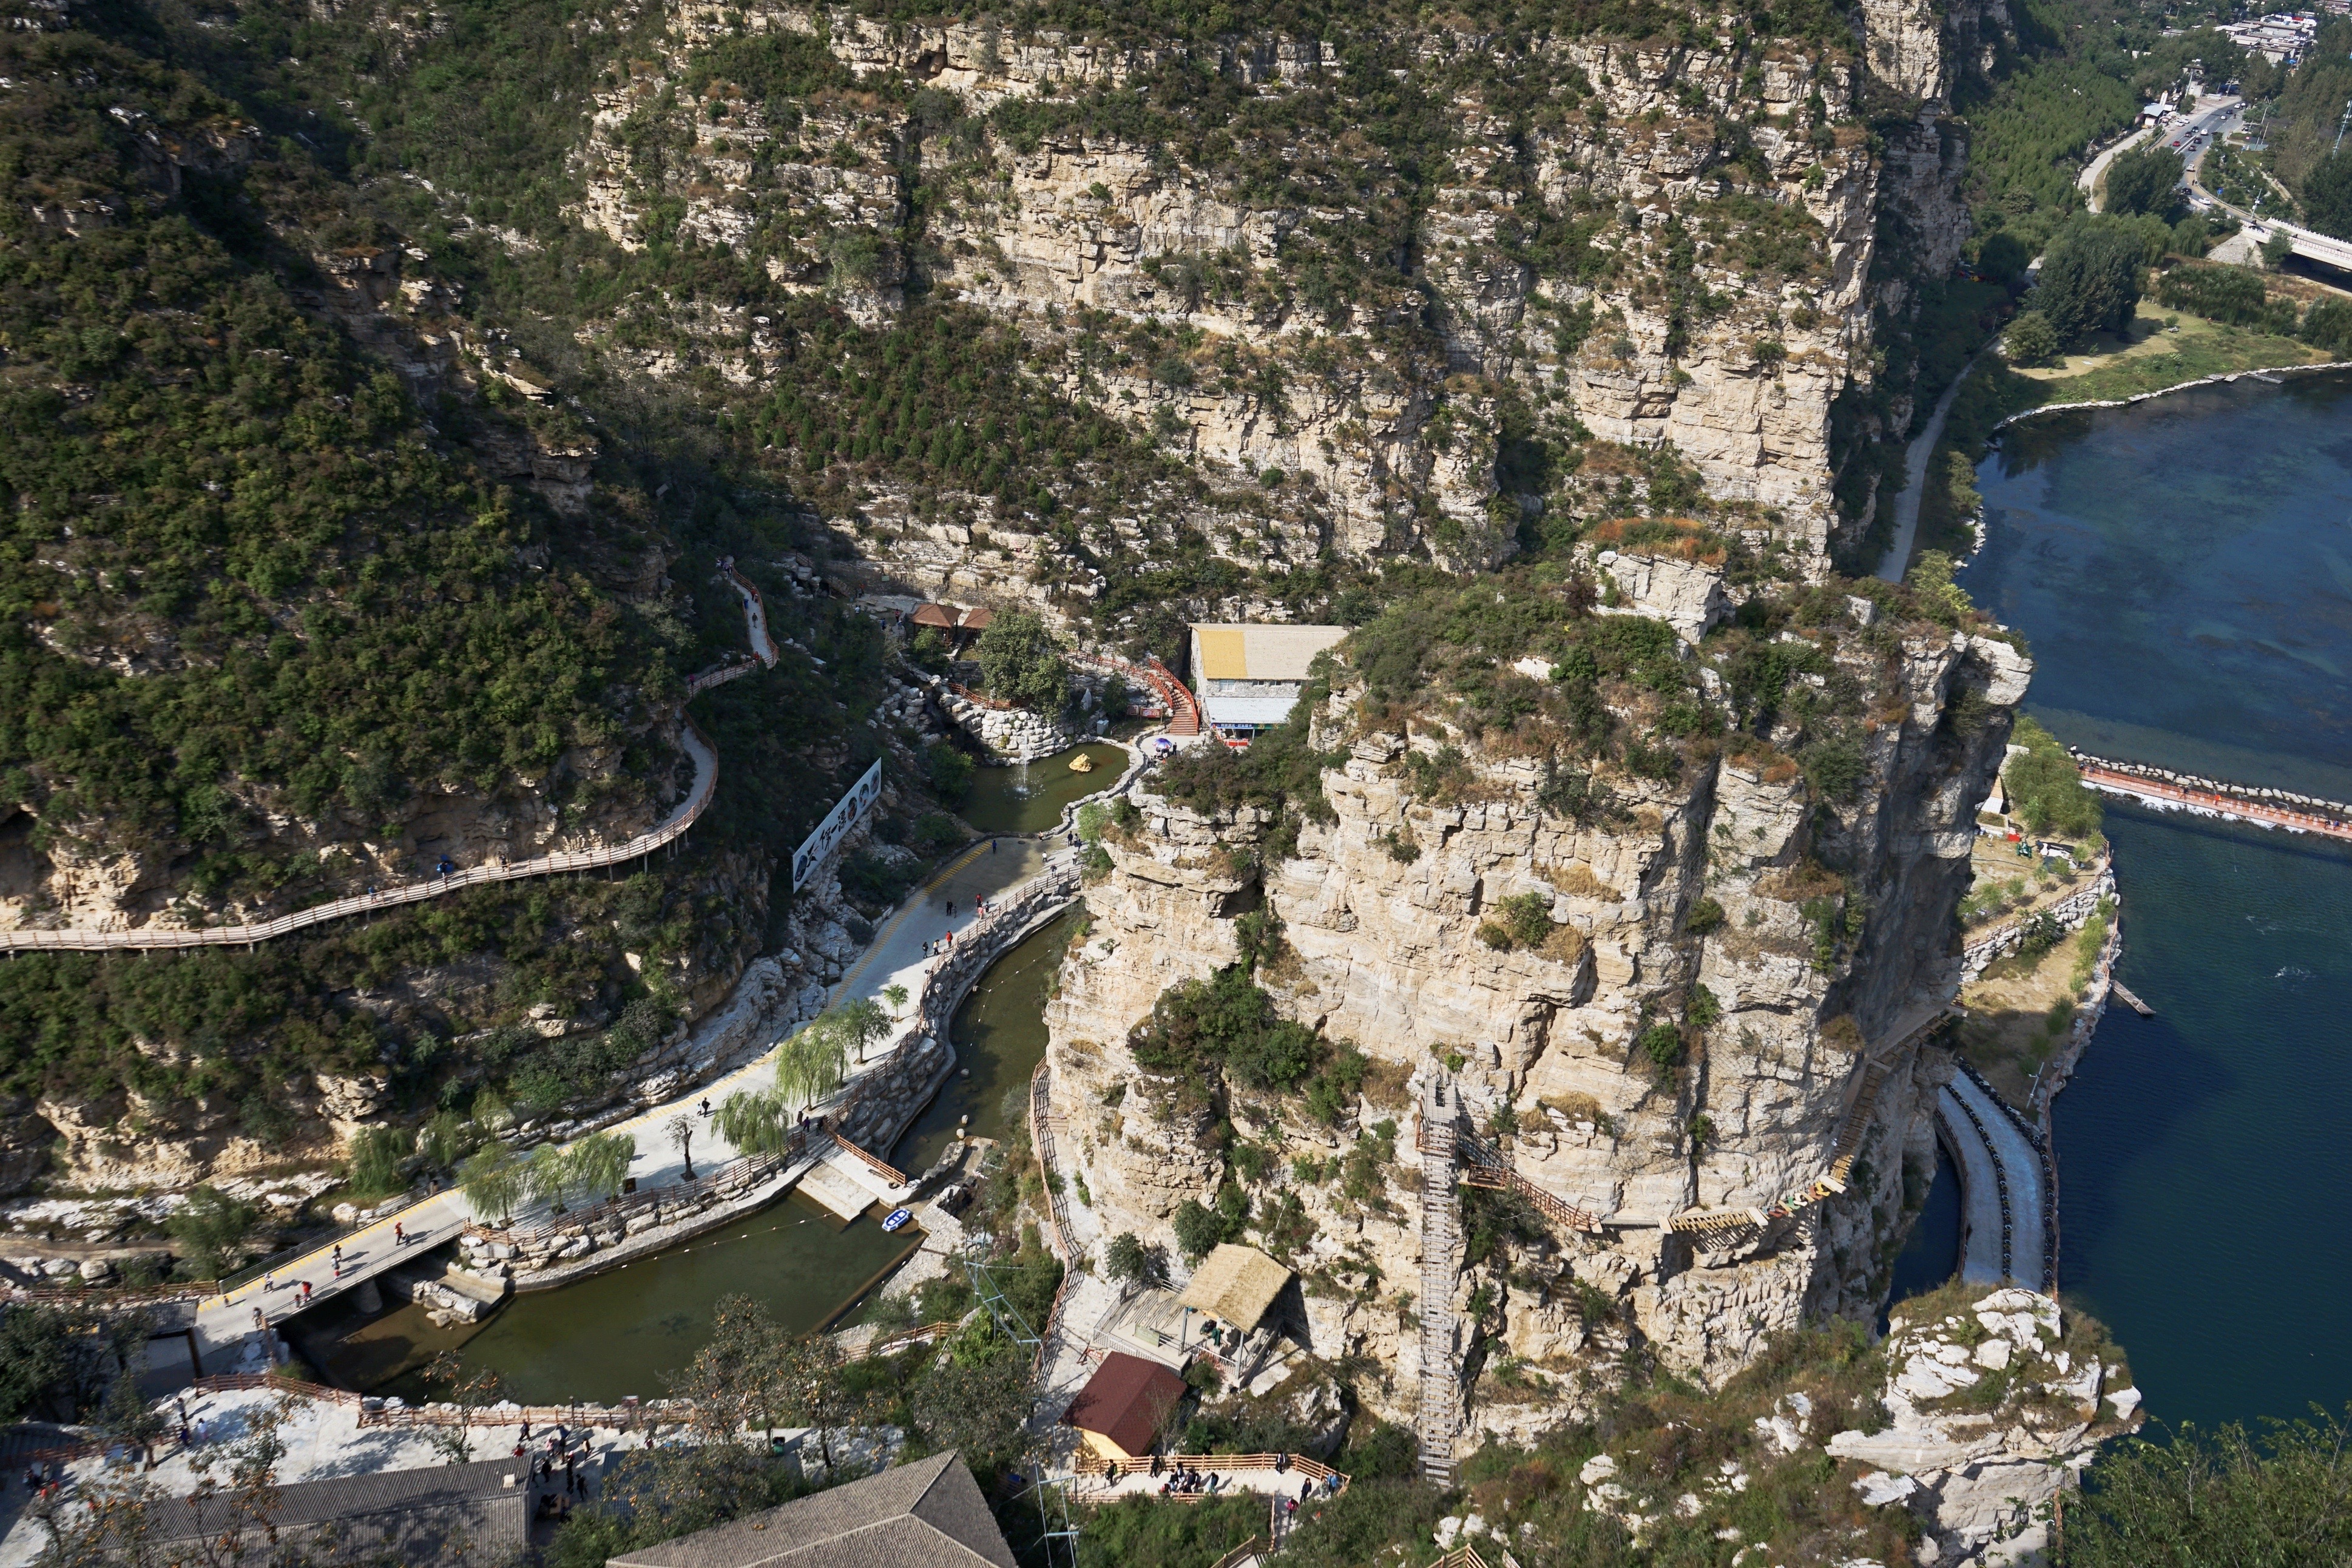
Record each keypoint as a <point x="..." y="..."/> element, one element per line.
<point x="1120" y="1410"/>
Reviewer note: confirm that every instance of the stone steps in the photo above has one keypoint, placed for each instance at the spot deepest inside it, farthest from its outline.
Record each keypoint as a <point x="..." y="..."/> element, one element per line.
<point x="828" y="1187"/>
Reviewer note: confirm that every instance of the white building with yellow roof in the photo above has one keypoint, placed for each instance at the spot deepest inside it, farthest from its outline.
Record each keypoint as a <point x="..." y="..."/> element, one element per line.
<point x="1248" y="678"/>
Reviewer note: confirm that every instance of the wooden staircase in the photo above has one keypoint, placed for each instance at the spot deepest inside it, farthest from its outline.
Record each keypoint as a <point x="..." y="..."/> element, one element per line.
<point x="1441" y="1399"/>
<point x="1488" y="1166"/>
<point x="1184" y="712"/>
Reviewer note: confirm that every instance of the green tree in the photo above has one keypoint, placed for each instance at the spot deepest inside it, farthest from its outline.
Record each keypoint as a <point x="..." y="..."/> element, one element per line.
<point x="549" y="1176"/>
<point x="377" y="1153"/>
<point x="895" y="995"/>
<point x="211" y="1227"/>
<point x="811" y="1064"/>
<point x="755" y="1122"/>
<point x="2143" y="180"/>
<point x="2196" y="1500"/>
<point x="2090" y="278"/>
<point x="737" y="1380"/>
<point x="949" y="772"/>
<point x="600" y="1163"/>
<point x="863" y="1024"/>
<point x="2045" y="787"/>
<point x="1022" y="664"/>
<point x="1128" y="1260"/>
<point x="681" y="1138"/>
<point x="465" y="1389"/>
<point x="2031" y="339"/>
<point x="2328" y="194"/>
<point x="494" y="1180"/>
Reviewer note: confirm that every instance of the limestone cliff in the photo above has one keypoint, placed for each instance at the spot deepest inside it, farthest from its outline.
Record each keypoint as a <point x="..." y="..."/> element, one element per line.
<point x="1792" y="928"/>
<point x="1388" y="266"/>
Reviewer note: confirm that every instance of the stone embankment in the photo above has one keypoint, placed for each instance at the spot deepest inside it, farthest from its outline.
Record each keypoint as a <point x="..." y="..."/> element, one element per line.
<point x="2071" y="913"/>
<point x="2268" y="372"/>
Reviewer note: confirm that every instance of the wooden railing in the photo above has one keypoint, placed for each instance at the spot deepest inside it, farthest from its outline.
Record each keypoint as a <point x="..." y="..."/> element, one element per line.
<point x="1461" y="1557"/>
<point x="887" y="1171"/>
<point x="1242" y="1553"/>
<point x="1490" y="1167"/>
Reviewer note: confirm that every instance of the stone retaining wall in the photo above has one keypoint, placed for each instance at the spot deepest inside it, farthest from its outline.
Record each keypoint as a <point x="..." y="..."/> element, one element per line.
<point x="2072" y="911"/>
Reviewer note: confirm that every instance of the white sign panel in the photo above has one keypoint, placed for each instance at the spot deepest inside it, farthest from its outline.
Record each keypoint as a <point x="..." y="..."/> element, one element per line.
<point x="838" y="822"/>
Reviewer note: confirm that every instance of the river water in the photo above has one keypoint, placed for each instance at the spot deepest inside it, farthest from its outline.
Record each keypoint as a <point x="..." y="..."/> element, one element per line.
<point x="616" y="1334"/>
<point x="2183" y="570"/>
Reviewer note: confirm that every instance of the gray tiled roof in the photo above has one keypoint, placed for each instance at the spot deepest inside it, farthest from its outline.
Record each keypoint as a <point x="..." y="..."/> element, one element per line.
<point x="474" y="1500"/>
<point x="928" y="1514"/>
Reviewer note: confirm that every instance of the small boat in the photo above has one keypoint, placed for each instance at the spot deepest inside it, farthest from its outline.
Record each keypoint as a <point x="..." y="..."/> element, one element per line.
<point x="898" y="1217"/>
<point x="1082" y="763"/>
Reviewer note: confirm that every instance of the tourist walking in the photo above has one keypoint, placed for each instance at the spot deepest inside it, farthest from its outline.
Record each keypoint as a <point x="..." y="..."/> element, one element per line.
<point x="399" y="1234"/>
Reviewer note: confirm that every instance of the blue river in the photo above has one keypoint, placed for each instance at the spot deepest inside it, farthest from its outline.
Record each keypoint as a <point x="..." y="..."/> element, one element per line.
<point x="2183" y="570"/>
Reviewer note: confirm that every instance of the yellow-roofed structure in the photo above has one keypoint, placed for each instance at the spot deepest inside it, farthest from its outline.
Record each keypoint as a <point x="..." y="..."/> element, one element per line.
<point x="1248" y="678"/>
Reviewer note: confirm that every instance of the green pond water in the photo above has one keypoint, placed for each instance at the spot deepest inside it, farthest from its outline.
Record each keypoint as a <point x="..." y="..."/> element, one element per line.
<point x="2183" y="570"/>
<point x="614" y="1334"/>
<point x="1028" y="797"/>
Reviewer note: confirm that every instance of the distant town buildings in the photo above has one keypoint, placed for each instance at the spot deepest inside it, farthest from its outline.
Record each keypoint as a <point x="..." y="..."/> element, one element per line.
<point x="1248" y="678"/>
<point x="2283" y="36"/>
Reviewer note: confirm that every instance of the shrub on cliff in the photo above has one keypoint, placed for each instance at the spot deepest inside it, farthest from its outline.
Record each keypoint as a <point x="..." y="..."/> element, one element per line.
<point x="1226" y="1024"/>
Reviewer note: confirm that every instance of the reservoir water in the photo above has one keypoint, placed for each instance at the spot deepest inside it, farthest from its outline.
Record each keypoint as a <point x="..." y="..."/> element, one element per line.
<point x="611" y="1335"/>
<point x="2183" y="570"/>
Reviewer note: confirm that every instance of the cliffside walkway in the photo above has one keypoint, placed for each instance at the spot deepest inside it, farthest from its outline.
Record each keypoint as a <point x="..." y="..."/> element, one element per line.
<point x="1439" y="1418"/>
<point x="670" y="829"/>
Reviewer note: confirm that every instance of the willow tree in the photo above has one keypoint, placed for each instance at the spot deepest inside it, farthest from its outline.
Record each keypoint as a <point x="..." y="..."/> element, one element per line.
<point x="755" y="1122"/>
<point x="493" y="1180"/>
<point x="600" y="1163"/>
<point x="812" y="1063"/>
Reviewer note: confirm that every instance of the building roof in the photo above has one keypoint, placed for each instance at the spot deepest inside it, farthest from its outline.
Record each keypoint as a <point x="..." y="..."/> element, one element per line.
<point x="419" y="1513"/>
<point x="1125" y="1401"/>
<point x="1258" y="653"/>
<point x="1235" y="1285"/>
<point x="936" y="616"/>
<point x="1248" y="710"/>
<point x="977" y="619"/>
<point x="928" y="1514"/>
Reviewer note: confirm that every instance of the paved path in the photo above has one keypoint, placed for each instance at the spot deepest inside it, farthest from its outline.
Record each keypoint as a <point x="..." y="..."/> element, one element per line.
<point x="1995" y="1161"/>
<point x="670" y="828"/>
<point x="1916" y="457"/>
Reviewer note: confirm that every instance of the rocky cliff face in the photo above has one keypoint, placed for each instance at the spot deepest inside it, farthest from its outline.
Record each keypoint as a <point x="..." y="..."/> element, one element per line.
<point x="1384" y="269"/>
<point x="1719" y="886"/>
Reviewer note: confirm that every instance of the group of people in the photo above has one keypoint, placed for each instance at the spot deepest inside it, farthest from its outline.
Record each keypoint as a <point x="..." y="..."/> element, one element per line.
<point x="556" y="1453"/>
<point x="1185" y="1481"/>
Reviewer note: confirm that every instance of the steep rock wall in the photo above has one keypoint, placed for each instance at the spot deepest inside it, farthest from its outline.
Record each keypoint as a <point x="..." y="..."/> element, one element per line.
<point x="1381" y="913"/>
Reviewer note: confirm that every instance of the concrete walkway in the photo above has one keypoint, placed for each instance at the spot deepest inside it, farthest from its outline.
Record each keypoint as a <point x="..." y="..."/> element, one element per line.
<point x="1994" y="1157"/>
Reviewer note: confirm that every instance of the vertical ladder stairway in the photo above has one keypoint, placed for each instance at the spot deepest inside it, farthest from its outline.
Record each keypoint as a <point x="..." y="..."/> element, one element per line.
<point x="1441" y="1399"/>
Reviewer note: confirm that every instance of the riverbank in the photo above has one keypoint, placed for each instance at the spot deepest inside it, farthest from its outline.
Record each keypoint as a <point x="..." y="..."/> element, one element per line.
<point x="1995" y="395"/>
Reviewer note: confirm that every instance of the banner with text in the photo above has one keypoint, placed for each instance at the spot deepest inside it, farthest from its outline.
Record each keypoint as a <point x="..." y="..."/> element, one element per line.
<point x="838" y="822"/>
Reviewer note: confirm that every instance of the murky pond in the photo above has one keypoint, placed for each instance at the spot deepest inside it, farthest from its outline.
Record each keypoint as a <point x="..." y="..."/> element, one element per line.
<point x="1028" y="797"/>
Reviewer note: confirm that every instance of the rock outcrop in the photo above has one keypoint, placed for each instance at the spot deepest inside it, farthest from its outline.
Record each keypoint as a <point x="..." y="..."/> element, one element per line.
<point x="1816" y="985"/>
<point x="1991" y="1416"/>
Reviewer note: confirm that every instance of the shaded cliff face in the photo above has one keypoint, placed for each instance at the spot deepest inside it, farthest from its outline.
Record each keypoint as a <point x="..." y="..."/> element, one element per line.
<point x="1784" y="929"/>
<point x="1398" y="269"/>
